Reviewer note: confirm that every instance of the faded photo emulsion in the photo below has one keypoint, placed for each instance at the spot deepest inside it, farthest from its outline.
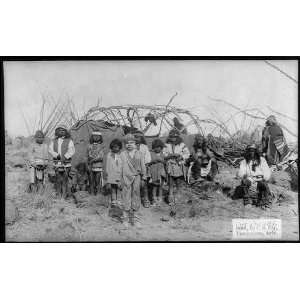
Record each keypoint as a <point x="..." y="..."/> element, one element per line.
<point x="151" y="150"/>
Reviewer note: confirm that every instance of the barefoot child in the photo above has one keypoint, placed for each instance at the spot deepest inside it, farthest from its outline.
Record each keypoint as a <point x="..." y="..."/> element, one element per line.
<point x="113" y="168"/>
<point x="133" y="172"/>
<point x="157" y="171"/>
<point x="95" y="153"/>
<point x="203" y="163"/>
<point x="176" y="152"/>
<point x="141" y="145"/>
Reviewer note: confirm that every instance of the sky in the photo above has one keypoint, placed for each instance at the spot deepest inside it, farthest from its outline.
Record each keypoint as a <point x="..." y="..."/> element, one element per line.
<point x="246" y="84"/>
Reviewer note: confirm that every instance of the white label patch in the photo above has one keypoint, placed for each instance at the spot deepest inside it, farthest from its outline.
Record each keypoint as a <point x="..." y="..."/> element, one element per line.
<point x="256" y="229"/>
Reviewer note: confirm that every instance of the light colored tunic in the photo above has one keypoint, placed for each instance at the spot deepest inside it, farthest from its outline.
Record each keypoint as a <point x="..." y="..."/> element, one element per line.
<point x="38" y="154"/>
<point x="180" y="149"/>
<point x="146" y="153"/>
<point x="113" y="168"/>
<point x="133" y="168"/>
<point x="69" y="153"/>
<point x="261" y="170"/>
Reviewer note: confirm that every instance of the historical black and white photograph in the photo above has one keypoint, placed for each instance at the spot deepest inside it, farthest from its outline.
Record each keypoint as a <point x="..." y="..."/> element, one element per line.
<point x="151" y="150"/>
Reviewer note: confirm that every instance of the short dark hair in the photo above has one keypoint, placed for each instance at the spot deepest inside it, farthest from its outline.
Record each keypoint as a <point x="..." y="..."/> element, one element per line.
<point x="256" y="155"/>
<point x="115" y="142"/>
<point x="174" y="132"/>
<point x="198" y="142"/>
<point x="39" y="134"/>
<point x="68" y="135"/>
<point x="140" y="134"/>
<point x="92" y="140"/>
<point x="157" y="143"/>
<point x="178" y="140"/>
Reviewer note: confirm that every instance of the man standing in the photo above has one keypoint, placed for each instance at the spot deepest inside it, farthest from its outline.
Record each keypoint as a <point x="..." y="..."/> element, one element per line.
<point x="62" y="148"/>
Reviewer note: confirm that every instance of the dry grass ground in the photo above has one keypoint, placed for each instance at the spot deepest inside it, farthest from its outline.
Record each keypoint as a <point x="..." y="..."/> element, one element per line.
<point x="205" y="217"/>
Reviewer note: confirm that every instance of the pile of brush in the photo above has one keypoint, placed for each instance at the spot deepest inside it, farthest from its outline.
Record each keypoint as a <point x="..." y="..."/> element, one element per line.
<point x="228" y="152"/>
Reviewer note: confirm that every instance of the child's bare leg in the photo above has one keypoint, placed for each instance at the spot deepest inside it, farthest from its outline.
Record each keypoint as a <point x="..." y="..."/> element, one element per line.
<point x="97" y="182"/>
<point x="32" y="178"/>
<point x="114" y="189"/>
<point x="178" y="184"/>
<point x="154" y="194"/>
<point x="126" y="197"/>
<point x="135" y="196"/>
<point x="144" y="193"/>
<point x="91" y="179"/>
<point x="160" y="194"/>
<point x="171" y="190"/>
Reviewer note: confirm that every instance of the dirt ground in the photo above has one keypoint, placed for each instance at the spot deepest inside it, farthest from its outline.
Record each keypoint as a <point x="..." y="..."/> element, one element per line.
<point x="205" y="217"/>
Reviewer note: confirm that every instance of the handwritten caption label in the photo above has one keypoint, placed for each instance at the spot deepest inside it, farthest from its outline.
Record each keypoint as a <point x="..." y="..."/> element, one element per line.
<point x="256" y="229"/>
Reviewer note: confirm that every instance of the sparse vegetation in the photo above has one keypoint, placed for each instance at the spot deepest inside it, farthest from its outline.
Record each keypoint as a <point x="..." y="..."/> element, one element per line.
<point x="201" y="213"/>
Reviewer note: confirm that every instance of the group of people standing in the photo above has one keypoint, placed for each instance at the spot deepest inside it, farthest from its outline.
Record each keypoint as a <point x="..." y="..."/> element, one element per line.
<point x="133" y="174"/>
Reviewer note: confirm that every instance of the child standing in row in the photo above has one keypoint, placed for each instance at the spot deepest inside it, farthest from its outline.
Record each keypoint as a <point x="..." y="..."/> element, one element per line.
<point x="38" y="155"/>
<point x="176" y="152"/>
<point x="133" y="171"/>
<point x="141" y="145"/>
<point x="113" y="171"/>
<point x="95" y="154"/>
<point x="157" y="171"/>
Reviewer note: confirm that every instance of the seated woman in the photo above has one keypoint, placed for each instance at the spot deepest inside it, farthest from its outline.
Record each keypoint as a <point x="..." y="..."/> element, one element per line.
<point x="202" y="163"/>
<point x="254" y="172"/>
